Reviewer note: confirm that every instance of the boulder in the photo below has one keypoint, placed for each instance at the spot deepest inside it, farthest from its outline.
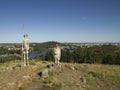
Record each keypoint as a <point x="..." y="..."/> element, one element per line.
<point x="83" y="80"/>
<point x="45" y="73"/>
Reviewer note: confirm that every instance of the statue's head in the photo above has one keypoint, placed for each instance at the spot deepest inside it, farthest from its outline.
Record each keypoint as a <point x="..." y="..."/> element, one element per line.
<point x="57" y="45"/>
<point x="25" y="35"/>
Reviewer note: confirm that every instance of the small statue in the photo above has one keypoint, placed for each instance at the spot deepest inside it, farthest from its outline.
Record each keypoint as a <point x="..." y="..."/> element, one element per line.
<point x="57" y="54"/>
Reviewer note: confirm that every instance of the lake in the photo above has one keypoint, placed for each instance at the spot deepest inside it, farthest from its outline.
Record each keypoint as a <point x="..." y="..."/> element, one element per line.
<point x="39" y="53"/>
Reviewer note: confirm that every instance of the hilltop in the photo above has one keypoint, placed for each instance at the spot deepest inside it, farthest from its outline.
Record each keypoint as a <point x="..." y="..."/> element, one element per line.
<point x="68" y="77"/>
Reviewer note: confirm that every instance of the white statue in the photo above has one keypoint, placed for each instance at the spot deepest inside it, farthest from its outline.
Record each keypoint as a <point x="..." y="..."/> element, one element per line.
<point x="57" y="54"/>
<point x="25" y="49"/>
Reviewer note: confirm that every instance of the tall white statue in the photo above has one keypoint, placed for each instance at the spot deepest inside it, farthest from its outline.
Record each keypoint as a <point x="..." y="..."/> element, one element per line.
<point x="25" y="49"/>
<point x="57" y="55"/>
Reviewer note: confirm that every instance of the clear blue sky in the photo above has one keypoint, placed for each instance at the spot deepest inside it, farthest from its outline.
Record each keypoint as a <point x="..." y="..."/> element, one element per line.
<point x="60" y="20"/>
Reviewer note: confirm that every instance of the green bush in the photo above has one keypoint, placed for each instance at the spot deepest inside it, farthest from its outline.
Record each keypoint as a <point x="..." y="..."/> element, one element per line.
<point x="57" y="86"/>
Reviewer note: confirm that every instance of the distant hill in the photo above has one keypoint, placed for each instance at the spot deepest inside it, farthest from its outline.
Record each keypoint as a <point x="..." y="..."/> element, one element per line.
<point x="44" y="45"/>
<point x="52" y="42"/>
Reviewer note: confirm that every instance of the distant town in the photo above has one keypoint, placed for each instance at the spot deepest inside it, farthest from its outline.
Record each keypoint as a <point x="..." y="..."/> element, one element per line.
<point x="90" y="44"/>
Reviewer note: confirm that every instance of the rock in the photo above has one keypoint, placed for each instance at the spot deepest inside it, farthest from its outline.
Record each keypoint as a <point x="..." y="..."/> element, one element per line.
<point x="45" y="73"/>
<point x="27" y="79"/>
<point x="73" y="68"/>
<point x="83" y="80"/>
<point x="11" y="84"/>
<point x="48" y="66"/>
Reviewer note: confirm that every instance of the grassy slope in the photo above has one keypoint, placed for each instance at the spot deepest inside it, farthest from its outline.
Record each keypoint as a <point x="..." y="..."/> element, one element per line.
<point x="98" y="77"/>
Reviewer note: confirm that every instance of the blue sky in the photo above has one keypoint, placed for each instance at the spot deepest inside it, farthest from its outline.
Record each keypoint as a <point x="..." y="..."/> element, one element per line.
<point x="60" y="20"/>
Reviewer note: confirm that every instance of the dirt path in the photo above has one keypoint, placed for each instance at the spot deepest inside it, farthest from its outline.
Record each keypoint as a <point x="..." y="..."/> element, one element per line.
<point x="37" y="84"/>
<point x="66" y="78"/>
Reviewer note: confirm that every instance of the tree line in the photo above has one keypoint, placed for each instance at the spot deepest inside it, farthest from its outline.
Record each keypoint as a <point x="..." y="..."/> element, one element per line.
<point x="10" y="57"/>
<point x="106" y="54"/>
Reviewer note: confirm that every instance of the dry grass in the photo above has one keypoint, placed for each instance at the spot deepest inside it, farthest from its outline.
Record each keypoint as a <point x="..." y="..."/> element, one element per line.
<point x="98" y="77"/>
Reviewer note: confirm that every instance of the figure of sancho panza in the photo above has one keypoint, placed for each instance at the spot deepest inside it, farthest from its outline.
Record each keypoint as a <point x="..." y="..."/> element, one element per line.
<point x="57" y="54"/>
<point x="25" y="49"/>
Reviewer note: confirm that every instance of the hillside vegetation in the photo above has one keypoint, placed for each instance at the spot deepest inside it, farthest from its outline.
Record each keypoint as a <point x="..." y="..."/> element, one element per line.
<point x="105" y="54"/>
<point x="102" y="54"/>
